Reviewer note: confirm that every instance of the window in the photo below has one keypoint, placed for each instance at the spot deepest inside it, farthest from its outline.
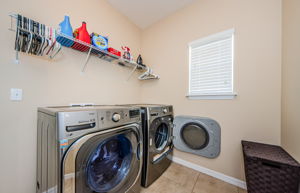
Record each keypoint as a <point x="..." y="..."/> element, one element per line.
<point x="211" y="67"/>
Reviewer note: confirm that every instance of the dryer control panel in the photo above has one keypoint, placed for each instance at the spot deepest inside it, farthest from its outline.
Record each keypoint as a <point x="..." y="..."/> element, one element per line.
<point x="159" y="111"/>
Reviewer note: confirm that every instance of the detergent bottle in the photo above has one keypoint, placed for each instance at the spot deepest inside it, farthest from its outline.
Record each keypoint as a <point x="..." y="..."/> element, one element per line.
<point x="99" y="41"/>
<point x="65" y="28"/>
<point x="83" y="35"/>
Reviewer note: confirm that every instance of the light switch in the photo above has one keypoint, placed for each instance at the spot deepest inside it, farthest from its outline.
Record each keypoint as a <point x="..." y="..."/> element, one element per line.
<point x="16" y="94"/>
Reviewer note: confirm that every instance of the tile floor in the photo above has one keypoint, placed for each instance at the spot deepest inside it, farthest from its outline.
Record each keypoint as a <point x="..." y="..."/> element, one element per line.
<point x="180" y="179"/>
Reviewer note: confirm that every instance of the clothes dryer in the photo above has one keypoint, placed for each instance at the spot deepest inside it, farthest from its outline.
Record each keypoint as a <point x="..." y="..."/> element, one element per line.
<point x="162" y="133"/>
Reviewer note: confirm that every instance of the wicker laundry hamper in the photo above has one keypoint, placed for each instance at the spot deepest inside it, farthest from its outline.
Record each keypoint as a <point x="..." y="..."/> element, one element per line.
<point x="270" y="169"/>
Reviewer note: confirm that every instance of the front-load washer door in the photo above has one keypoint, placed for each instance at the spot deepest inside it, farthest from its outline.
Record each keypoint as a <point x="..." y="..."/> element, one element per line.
<point x="105" y="162"/>
<point x="160" y="134"/>
<point x="197" y="135"/>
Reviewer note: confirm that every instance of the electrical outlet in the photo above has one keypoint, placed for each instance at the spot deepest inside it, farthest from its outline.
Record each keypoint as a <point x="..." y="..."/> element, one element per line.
<point x="16" y="94"/>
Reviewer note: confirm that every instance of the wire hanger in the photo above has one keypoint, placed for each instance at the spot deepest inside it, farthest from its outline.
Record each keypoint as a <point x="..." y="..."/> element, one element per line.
<point x="148" y="75"/>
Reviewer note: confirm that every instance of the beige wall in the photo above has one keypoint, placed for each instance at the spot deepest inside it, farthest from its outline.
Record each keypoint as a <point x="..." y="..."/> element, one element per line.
<point x="255" y="113"/>
<point x="290" y="77"/>
<point x="55" y="83"/>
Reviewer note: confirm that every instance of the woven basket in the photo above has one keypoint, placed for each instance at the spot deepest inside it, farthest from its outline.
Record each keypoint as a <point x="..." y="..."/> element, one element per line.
<point x="270" y="169"/>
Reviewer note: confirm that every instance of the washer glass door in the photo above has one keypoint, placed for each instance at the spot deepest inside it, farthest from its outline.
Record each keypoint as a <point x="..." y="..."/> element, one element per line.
<point x="109" y="163"/>
<point x="106" y="162"/>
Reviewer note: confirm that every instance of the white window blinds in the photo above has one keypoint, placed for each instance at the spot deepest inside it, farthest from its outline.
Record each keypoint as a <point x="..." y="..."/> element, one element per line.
<point x="211" y="65"/>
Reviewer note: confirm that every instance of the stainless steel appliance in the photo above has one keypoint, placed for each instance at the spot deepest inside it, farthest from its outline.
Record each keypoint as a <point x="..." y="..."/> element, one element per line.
<point x="89" y="149"/>
<point x="162" y="132"/>
<point x="157" y="121"/>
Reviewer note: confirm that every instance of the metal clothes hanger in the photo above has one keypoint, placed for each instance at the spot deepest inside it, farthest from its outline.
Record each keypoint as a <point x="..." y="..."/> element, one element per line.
<point x="18" y="41"/>
<point x="42" y="35"/>
<point x="52" y="41"/>
<point x="34" y="38"/>
<point x="148" y="75"/>
<point x="47" y="40"/>
<point x="55" y="47"/>
<point x="26" y="34"/>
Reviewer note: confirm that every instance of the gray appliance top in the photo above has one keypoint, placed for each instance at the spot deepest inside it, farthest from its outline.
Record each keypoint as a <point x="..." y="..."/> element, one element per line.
<point x="154" y="110"/>
<point x="56" y="109"/>
<point x="146" y="105"/>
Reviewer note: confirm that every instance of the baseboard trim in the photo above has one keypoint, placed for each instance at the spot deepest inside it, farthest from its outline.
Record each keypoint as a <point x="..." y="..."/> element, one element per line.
<point x="215" y="174"/>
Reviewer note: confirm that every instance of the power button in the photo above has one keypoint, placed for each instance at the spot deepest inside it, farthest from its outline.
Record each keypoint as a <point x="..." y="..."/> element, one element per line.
<point x="116" y="117"/>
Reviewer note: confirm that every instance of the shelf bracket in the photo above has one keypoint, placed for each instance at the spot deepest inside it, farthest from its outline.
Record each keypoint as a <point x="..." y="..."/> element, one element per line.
<point x="13" y="23"/>
<point x="17" y="58"/>
<point x="86" y="60"/>
<point x="132" y="72"/>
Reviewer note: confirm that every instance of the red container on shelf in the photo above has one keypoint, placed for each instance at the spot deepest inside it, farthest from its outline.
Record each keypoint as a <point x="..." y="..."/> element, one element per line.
<point x="83" y="35"/>
<point x="114" y="52"/>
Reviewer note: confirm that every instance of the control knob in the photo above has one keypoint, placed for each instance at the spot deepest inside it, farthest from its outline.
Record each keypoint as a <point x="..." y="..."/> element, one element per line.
<point x="116" y="117"/>
<point x="165" y="110"/>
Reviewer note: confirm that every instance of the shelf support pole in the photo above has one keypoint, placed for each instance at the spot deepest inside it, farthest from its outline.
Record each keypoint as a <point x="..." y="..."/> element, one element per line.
<point x="17" y="58"/>
<point x="86" y="60"/>
<point x="132" y="72"/>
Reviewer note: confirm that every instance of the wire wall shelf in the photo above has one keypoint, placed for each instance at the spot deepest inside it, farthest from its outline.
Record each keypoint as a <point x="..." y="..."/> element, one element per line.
<point x="38" y="39"/>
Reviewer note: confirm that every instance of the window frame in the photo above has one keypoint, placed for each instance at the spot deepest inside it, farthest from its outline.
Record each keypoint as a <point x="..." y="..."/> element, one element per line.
<point x="203" y="41"/>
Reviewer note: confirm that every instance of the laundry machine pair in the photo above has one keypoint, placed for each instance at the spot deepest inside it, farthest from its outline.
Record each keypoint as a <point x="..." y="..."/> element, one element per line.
<point x="162" y="132"/>
<point x="89" y="149"/>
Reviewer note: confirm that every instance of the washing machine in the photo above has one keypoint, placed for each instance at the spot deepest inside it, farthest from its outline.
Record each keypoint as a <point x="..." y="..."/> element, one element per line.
<point x="162" y="133"/>
<point x="96" y="149"/>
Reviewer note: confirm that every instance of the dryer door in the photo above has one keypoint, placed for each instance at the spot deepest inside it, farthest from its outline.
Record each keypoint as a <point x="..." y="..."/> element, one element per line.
<point x="160" y="133"/>
<point x="197" y="135"/>
<point x="103" y="162"/>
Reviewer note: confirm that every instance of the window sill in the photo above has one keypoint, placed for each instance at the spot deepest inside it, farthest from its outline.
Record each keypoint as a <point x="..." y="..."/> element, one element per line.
<point x="212" y="96"/>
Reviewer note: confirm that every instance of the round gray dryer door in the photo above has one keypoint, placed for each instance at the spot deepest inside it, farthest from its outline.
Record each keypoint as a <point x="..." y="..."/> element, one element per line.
<point x="197" y="135"/>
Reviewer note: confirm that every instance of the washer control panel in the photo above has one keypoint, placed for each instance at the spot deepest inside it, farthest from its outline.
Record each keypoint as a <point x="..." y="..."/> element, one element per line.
<point x="75" y="123"/>
<point x="78" y="122"/>
<point x="116" y="117"/>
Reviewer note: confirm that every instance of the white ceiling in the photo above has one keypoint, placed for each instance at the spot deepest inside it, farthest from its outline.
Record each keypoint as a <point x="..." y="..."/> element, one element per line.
<point x="146" y="12"/>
